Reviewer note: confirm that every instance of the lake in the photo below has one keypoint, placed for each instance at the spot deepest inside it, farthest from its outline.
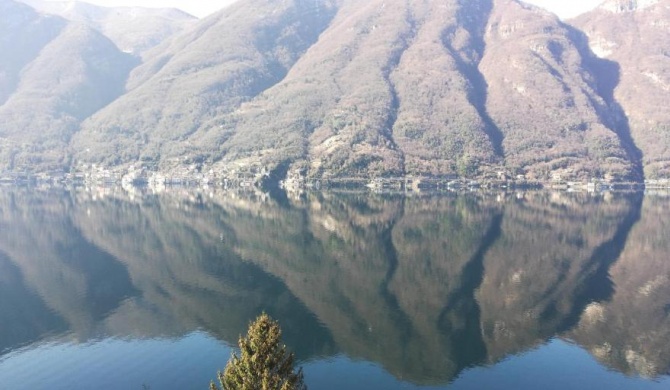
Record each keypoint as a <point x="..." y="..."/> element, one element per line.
<point x="108" y="289"/>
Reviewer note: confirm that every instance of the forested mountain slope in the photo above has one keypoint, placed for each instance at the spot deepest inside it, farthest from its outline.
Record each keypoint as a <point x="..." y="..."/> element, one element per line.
<point x="57" y="74"/>
<point x="344" y="88"/>
<point x="230" y="57"/>
<point x="635" y="37"/>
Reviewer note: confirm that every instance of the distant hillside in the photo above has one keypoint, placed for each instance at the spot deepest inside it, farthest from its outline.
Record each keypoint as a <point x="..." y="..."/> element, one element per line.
<point x="21" y="24"/>
<point x="60" y="73"/>
<point x="344" y="88"/>
<point x="132" y="29"/>
<point x="230" y="57"/>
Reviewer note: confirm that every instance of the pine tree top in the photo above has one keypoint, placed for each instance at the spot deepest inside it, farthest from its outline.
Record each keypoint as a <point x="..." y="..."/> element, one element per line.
<point x="264" y="362"/>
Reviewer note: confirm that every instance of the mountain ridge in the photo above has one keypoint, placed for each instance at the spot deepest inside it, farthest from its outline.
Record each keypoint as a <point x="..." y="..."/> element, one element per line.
<point x="66" y="75"/>
<point x="133" y="29"/>
<point x="634" y="37"/>
<point x="336" y="88"/>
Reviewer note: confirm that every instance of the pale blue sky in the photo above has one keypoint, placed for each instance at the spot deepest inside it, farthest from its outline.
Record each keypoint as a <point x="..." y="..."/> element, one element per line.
<point x="563" y="8"/>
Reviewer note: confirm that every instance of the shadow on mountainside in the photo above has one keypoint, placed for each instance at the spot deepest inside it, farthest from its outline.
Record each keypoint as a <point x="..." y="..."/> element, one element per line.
<point x="477" y="94"/>
<point x="607" y="75"/>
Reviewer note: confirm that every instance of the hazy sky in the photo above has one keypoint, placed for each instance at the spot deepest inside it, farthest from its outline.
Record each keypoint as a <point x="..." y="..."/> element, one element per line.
<point x="566" y="8"/>
<point x="563" y="8"/>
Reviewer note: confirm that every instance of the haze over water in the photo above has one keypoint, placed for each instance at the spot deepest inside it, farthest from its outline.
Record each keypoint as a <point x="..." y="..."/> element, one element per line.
<point x="542" y="289"/>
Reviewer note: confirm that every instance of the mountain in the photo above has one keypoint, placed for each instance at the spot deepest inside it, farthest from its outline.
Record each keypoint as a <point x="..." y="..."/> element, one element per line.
<point x="133" y="29"/>
<point x="21" y="24"/>
<point x="230" y="57"/>
<point x="419" y="90"/>
<point x="543" y="96"/>
<point x="634" y="36"/>
<point x="60" y="73"/>
<point x="343" y="88"/>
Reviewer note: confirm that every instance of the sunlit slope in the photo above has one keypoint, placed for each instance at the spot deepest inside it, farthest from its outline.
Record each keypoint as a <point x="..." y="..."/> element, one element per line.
<point x="422" y="88"/>
<point x="348" y="88"/>
<point x="635" y="37"/>
<point x="543" y="96"/>
<point x="226" y="59"/>
<point x="56" y="75"/>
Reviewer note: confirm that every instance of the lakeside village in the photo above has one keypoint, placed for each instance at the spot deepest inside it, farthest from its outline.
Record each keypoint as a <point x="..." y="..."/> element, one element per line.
<point x="198" y="175"/>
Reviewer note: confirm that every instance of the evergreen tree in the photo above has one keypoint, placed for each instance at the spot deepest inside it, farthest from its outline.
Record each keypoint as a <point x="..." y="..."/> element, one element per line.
<point x="264" y="363"/>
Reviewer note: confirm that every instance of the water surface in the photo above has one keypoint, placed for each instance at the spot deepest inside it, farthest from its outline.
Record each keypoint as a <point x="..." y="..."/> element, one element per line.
<point x="119" y="291"/>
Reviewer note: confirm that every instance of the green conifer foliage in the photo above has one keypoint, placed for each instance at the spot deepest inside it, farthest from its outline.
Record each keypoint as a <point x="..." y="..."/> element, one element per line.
<point x="263" y="364"/>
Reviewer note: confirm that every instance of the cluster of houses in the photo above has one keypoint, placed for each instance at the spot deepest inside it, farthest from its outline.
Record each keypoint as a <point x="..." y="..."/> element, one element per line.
<point x="296" y="181"/>
<point x="188" y="175"/>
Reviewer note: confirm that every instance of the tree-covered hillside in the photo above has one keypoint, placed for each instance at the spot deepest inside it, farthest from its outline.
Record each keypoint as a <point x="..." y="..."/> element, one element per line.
<point x="344" y="88"/>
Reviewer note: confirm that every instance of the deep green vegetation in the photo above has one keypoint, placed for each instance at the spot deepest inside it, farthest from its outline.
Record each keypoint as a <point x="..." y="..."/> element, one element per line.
<point x="264" y="363"/>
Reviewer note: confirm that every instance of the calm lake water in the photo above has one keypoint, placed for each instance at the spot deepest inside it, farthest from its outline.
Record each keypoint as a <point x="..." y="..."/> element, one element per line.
<point x="110" y="290"/>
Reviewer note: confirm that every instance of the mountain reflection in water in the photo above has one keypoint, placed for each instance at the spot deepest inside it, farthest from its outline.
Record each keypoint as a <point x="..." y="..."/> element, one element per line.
<point x="424" y="287"/>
